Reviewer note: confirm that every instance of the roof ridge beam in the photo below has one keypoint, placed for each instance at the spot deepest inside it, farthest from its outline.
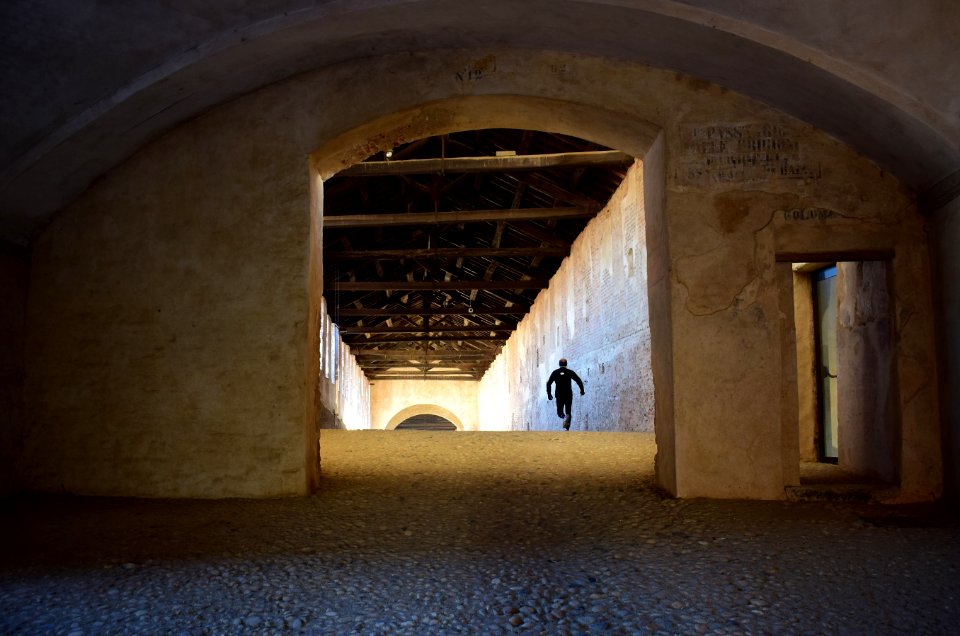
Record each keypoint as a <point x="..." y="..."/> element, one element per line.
<point x="454" y="217"/>
<point x="503" y="163"/>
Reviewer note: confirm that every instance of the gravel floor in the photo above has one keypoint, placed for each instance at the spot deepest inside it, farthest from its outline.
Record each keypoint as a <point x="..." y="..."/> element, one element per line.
<point x="477" y="533"/>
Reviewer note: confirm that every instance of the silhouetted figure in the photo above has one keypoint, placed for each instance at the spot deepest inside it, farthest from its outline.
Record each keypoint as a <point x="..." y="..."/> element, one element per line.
<point x="562" y="377"/>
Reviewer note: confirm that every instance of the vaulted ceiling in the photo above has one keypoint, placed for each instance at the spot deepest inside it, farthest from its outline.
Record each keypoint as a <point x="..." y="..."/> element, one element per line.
<point x="86" y="84"/>
<point x="434" y="254"/>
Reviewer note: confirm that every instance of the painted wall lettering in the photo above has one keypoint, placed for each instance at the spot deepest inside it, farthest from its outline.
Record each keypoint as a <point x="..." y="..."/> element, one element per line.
<point x="740" y="153"/>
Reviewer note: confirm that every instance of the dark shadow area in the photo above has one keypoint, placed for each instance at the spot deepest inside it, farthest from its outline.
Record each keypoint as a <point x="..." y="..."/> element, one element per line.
<point x="565" y="533"/>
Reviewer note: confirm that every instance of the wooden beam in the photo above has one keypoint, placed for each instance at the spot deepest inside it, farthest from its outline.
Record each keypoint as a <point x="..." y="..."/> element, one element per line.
<point x="430" y="329"/>
<point x="388" y="339"/>
<point x="539" y="182"/>
<point x="608" y="158"/>
<point x="464" y="368"/>
<point x="390" y="363"/>
<point x="411" y="311"/>
<point x="447" y="252"/>
<point x="422" y="376"/>
<point x="402" y="285"/>
<point x="544" y="236"/>
<point x="427" y="363"/>
<point x="417" y="351"/>
<point x="460" y="216"/>
<point x="418" y="354"/>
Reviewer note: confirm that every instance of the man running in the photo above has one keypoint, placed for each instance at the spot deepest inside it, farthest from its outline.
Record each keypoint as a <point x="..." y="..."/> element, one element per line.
<point x="562" y="376"/>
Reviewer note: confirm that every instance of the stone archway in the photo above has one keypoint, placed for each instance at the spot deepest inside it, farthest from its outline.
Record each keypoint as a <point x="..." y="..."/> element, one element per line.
<point x="628" y="132"/>
<point x="424" y="409"/>
<point x="611" y="128"/>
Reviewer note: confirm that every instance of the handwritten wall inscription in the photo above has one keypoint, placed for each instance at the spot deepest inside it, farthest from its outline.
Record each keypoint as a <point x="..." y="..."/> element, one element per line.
<point x="808" y="214"/>
<point x="740" y="153"/>
<point x="477" y="71"/>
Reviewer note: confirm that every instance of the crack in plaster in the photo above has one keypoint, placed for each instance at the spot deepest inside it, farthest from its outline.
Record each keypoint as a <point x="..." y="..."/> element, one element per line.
<point x="758" y="266"/>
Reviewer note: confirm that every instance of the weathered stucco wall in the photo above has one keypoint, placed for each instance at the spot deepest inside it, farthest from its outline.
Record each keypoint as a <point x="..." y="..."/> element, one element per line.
<point x="806" y="380"/>
<point x="168" y="320"/>
<point x="740" y="196"/>
<point x="392" y="401"/>
<point x="14" y="270"/>
<point x="170" y="316"/>
<point x="867" y="431"/>
<point x="594" y="313"/>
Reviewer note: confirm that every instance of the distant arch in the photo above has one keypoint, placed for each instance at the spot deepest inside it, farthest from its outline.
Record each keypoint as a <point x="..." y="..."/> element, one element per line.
<point x="426" y="422"/>
<point x="424" y="409"/>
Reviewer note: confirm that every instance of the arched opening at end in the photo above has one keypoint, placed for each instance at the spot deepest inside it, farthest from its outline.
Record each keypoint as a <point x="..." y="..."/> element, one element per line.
<point x="426" y="422"/>
<point x="419" y="416"/>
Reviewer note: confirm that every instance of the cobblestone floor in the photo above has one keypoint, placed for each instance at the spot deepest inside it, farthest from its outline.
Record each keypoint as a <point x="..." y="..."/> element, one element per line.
<point x="477" y="533"/>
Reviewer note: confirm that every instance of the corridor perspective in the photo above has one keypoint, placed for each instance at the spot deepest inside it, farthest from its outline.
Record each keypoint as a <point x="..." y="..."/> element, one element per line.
<point x="478" y="533"/>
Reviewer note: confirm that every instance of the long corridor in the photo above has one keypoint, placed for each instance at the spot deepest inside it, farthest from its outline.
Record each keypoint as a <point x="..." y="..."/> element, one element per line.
<point x="477" y="533"/>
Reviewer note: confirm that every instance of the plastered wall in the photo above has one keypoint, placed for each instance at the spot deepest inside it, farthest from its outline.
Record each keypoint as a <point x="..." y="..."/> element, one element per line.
<point x="392" y="401"/>
<point x="805" y="344"/>
<point x="173" y="306"/>
<point x="168" y="321"/>
<point x="594" y="313"/>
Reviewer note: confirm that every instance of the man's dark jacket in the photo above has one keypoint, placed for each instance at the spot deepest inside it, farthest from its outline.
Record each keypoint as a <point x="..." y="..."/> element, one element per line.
<point x="562" y="377"/>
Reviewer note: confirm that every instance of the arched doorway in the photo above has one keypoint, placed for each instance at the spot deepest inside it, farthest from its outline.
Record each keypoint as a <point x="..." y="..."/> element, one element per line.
<point x="419" y="410"/>
<point x="426" y="422"/>
<point x="632" y="136"/>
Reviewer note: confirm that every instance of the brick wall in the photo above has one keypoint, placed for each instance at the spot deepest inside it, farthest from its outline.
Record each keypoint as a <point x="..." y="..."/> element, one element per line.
<point x="595" y="314"/>
<point x="343" y="387"/>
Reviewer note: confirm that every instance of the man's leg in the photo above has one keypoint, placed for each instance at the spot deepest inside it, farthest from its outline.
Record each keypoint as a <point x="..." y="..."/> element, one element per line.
<point x="564" y="404"/>
<point x="559" y="400"/>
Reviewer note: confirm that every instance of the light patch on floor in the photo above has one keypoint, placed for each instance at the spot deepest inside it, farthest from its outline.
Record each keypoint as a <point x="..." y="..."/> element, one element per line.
<point x="500" y="456"/>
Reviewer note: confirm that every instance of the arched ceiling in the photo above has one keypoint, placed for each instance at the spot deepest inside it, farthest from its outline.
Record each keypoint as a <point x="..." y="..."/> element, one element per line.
<point x="86" y="84"/>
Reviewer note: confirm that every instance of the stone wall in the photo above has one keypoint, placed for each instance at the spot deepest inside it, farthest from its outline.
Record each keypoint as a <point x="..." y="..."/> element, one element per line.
<point x="594" y="313"/>
<point x="168" y="320"/>
<point x="392" y="401"/>
<point x="14" y="270"/>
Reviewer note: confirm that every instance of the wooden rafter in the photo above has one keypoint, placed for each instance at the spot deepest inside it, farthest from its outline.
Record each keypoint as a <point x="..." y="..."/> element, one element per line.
<point x="427" y="329"/>
<point x="604" y="158"/>
<point x="351" y="338"/>
<point x="401" y="285"/>
<point x="421" y="311"/>
<point x="425" y="376"/>
<point x="446" y="253"/>
<point x="461" y="249"/>
<point x="454" y="217"/>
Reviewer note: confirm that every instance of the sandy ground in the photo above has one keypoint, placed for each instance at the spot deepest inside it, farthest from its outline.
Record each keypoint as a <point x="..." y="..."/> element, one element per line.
<point x="477" y="533"/>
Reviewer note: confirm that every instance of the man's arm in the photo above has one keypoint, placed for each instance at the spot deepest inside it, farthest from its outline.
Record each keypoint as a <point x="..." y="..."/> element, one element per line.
<point x="578" y="381"/>
<point x="549" y="382"/>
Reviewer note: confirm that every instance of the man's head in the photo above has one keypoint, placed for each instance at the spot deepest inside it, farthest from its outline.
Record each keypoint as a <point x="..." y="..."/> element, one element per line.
<point x="563" y="362"/>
